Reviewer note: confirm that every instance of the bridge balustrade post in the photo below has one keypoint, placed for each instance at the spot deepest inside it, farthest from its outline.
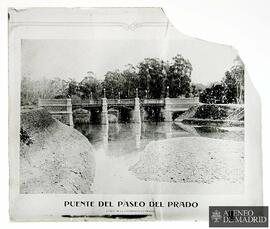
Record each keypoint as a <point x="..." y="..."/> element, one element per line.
<point x="105" y="134"/>
<point x="138" y="135"/>
<point x="39" y="102"/>
<point x="69" y="111"/>
<point x="168" y="130"/>
<point x="104" y="112"/>
<point x="167" y="110"/>
<point x="137" y="111"/>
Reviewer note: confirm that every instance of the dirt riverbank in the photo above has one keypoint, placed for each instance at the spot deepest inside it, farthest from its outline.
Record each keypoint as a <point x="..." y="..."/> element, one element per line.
<point x="191" y="159"/>
<point x="54" y="158"/>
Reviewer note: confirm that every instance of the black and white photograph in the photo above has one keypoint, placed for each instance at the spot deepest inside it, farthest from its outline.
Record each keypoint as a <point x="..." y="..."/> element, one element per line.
<point x="117" y="113"/>
<point x="115" y="117"/>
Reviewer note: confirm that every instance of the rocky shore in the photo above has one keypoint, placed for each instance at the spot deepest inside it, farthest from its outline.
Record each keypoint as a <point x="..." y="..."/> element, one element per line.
<point x="191" y="160"/>
<point x="54" y="158"/>
<point x="214" y="115"/>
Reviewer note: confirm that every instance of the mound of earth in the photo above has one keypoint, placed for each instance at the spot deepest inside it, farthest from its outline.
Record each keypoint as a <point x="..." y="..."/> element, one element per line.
<point x="54" y="158"/>
<point x="214" y="112"/>
<point x="191" y="159"/>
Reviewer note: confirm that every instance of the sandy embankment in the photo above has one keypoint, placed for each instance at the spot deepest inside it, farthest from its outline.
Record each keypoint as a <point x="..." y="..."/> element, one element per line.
<point x="191" y="159"/>
<point x="214" y="115"/>
<point x="57" y="159"/>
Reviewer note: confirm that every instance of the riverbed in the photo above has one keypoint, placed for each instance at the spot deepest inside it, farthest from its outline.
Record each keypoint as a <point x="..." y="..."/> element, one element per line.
<point x="119" y="146"/>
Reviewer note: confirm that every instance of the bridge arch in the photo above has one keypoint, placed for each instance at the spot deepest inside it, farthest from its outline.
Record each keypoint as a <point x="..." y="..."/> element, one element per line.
<point x="152" y="113"/>
<point x="81" y="116"/>
<point x="113" y="115"/>
<point x="129" y="109"/>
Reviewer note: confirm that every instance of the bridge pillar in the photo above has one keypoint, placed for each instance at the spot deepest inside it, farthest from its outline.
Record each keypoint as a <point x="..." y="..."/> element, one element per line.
<point x="69" y="110"/>
<point x="104" y="112"/>
<point x="167" y="110"/>
<point x="137" y="111"/>
<point x="138" y="135"/>
<point x="168" y="130"/>
<point x="105" y="134"/>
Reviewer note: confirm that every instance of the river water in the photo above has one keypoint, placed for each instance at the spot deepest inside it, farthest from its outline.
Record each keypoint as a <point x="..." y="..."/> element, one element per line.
<point x="127" y="138"/>
<point x="118" y="146"/>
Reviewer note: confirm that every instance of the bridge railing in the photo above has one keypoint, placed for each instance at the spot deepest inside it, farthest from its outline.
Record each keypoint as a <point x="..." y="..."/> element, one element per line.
<point x="184" y="100"/>
<point x="60" y="109"/>
<point x="109" y="102"/>
<point x="114" y="101"/>
<point x="142" y="101"/>
<point x="52" y="102"/>
<point x="153" y="101"/>
<point x="120" y="101"/>
<point x="94" y="102"/>
<point x="87" y="102"/>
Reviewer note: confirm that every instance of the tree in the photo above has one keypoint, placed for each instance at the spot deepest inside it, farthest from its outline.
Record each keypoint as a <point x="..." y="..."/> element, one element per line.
<point x="179" y="77"/>
<point x="230" y="87"/>
<point x="26" y="91"/>
<point x="72" y="87"/>
<point x="113" y="83"/>
<point x="90" y="86"/>
<point x="130" y="82"/>
<point x="215" y="94"/>
<point x="234" y="84"/>
<point x="32" y="90"/>
<point x="230" y="90"/>
<point x="151" y="77"/>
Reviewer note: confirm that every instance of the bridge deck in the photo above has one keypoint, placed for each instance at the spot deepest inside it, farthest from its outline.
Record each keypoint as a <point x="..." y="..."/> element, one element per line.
<point x="177" y="103"/>
<point x="62" y="108"/>
<point x="174" y="103"/>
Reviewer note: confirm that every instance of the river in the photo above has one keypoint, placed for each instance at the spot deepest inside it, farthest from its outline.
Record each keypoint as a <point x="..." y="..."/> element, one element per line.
<point x="119" y="146"/>
<point x="127" y="138"/>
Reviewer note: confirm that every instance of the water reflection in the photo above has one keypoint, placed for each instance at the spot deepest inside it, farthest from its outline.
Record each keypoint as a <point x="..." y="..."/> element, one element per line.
<point x="137" y="127"/>
<point x="168" y="130"/>
<point x="105" y="134"/>
<point x="125" y="138"/>
<point x="228" y="133"/>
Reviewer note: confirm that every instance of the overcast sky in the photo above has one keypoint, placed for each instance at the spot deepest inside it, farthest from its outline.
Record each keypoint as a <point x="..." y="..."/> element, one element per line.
<point x="74" y="58"/>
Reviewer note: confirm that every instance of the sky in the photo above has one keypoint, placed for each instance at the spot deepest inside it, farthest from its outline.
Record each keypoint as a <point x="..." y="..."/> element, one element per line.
<point x="74" y="58"/>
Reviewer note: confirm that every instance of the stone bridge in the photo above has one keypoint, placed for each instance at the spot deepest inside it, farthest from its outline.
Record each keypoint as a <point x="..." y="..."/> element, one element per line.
<point x="61" y="109"/>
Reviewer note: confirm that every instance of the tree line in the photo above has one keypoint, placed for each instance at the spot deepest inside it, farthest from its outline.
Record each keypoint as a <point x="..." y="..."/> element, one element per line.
<point x="229" y="90"/>
<point x="153" y="77"/>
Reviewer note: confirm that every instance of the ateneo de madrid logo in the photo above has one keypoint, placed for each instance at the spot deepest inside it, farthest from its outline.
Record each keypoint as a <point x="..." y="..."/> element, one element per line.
<point x="216" y="216"/>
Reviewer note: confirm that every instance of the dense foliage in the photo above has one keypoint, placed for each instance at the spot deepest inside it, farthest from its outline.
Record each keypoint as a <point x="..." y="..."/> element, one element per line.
<point x="151" y="77"/>
<point x="25" y="138"/>
<point x="228" y="90"/>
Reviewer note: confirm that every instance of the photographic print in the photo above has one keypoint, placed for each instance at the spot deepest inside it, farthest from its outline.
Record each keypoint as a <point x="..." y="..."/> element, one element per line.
<point x="116" y="113"/>
<point x="114" y="117"/>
